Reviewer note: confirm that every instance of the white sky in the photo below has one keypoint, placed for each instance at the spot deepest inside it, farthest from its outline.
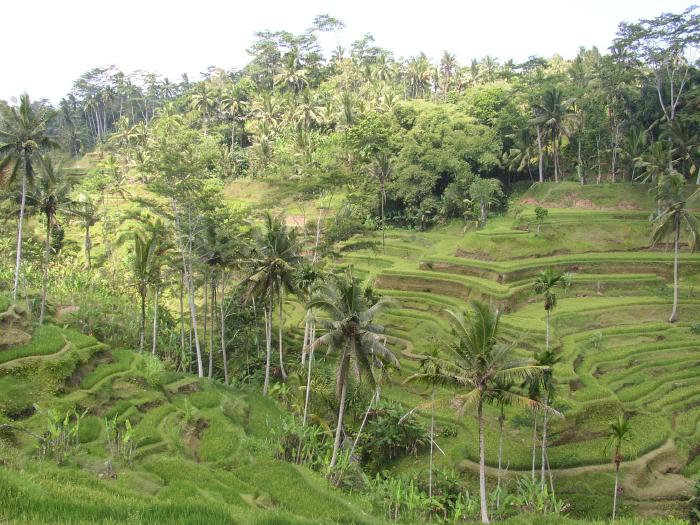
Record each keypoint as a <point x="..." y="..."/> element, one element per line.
<point x="68" y="37"/>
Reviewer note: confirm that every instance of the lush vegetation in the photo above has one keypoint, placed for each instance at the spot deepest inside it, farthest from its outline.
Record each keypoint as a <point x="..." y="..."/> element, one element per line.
<point x="465" y="292"/>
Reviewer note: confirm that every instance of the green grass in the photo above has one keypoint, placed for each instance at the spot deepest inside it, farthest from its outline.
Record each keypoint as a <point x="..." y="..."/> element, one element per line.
<point x="46" y="339"/>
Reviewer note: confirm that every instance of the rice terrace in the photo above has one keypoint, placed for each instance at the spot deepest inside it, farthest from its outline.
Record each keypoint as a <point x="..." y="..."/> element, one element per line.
<point x="348" y="284"/>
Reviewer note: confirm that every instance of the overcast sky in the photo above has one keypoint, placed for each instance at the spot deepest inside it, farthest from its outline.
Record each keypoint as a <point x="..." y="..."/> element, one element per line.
<point x="48" y="46"/>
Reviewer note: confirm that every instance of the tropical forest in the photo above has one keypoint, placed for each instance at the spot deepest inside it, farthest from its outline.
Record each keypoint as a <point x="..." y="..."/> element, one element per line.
<point x="343" y="286"/>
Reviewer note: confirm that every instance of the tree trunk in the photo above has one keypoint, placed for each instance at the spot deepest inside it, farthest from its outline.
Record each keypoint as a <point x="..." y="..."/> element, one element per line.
<point x="280" y="328"/>
<point x="182" y="313"/>
<point x="534" y="445"/>
<point x="501" y="420"/>
<point x="308" y="380"/>
<point x="211" y="330"/>
<point x="674" y="312"/>
<point x="206" y="318"/>
<point x="305" y="344"/>
<point x="579" y="166"/>
<point x="45" y="269"/>
<point x="223" y="327"/>
<point x="268" y="345"/>
<point x="88" y="247"/>
<point x="142" y="332"/>
<point x="23" y="199"/>
<point x="482" y="464"/>
<point x="341" y="413"/>
<point x="541" y="160"/>
<point x="432" y="444"/>
<point x="155" y="321"/>
<point x="383" y="202"/>
<point x="555" y="140"/>
<point x="617" y="482"/>
<point x="544" y="441"/>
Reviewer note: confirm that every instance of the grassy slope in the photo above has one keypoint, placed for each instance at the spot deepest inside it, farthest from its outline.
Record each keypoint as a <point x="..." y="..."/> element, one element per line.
<point x="643" y="366"/>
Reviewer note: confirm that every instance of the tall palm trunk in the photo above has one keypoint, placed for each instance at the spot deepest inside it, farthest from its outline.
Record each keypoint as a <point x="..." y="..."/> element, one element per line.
<point x="556" y="155"/>
<point x="383" y="203"/>
<point x="547" y="334"/>
<point x="341" y="411"/>
<point x="23" y="199"/>
<point x="544" y="441"/>
<point x="541" y="160"/>
<point x="45" y="269"/>
<point x="206" y="317"/>
<point x="224" y="357"/>
<point x="142" y="331"/>
<point x="617" y="483"/>
<point x="432" y="443"/>
<point x="534" y="445"/>
<point x="155" y="321"/>
<point x="182" y="313"/>
<point x="501" y="420"/>
<point x="482" y="464"/>
<point x="280" y="328"/>
<point x="674" y="312"/>
<point x="211" y="330"/>
<point x="88" y="247"/>
<point x="268" y="344"/>
<point x="312" y="337"/>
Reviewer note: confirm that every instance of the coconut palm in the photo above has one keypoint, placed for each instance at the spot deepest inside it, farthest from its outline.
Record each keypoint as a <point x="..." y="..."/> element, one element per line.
<point x="351" y="332"/>
<point x="481" y="364"/>
<point x="23" y="137"/>
<point x="203" y="101"/>
<point x="49" y="196"/>
<point x="308" y="277"/>
<point x="545" y="285"/>
<point x="501" y="400"/>
<point x="554" y="112"/>
<point x="142" y="262"/>
<point x="520" y="156"/>
<point x="381" y="170"/>
<point x="88" y="215"/>
<point x="546" y="359"/>
<point x="673" y="218"/>
<point x="619" y="434"/>
<point x="272" y="275"/>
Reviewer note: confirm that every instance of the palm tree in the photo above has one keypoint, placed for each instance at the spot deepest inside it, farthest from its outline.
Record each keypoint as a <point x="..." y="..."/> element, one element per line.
<point x="501" y="400"/>
<point x="202" y="100"/>
<point x="381" y="170"/>
<point x="554" y="112"/>
<point x="308" y="277"/>
<point x="545" y="285"/>
<point x="431" y="374"/>
<point x="546" y="359"/>
<point x="619" y="434"/>
<point x="273" y="272"/>
<point x="22" y="138"/>
<point x="352" y="333"/>
<point x="674" y="216"/>
<point x="88" y="215"/>
<point x="519" y="157"/>
<point x="50" y="195"/>
<point x="482" y="365"/>
<point x="142" y="265"/>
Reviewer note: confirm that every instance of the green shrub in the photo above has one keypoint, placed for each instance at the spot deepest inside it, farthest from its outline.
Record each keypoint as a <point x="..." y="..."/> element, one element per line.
<point x="89" y="430"/>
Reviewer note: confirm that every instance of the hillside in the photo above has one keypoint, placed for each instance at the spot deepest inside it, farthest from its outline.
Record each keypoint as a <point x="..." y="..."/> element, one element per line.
<point x="205" y="453"/>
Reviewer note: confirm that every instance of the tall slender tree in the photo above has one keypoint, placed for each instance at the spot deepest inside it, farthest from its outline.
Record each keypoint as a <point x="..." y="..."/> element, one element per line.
<point x="23" y="138"/>
<point x="351" y="332"/>
<point x="674" y="218"/>
<point x="619" y="435"/>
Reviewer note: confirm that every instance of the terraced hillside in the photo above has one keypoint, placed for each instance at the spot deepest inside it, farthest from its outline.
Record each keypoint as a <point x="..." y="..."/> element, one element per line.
<point x="202" y="453"/>
<point x="618" y="353"/>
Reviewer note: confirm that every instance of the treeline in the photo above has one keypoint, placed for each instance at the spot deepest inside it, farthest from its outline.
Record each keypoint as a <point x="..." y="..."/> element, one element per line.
<point x="412" y="135"/>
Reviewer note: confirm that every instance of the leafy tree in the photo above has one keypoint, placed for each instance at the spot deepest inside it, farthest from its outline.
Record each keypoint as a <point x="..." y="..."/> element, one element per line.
<point x="485" y="192"/>
<point x="540" y="215"/>
<point x="352" y="333"/>
<point x="674" y="217"/>
<point x="88" y="215"/>
<point x="23" y="137"/>
<point x="619" y="435"/>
